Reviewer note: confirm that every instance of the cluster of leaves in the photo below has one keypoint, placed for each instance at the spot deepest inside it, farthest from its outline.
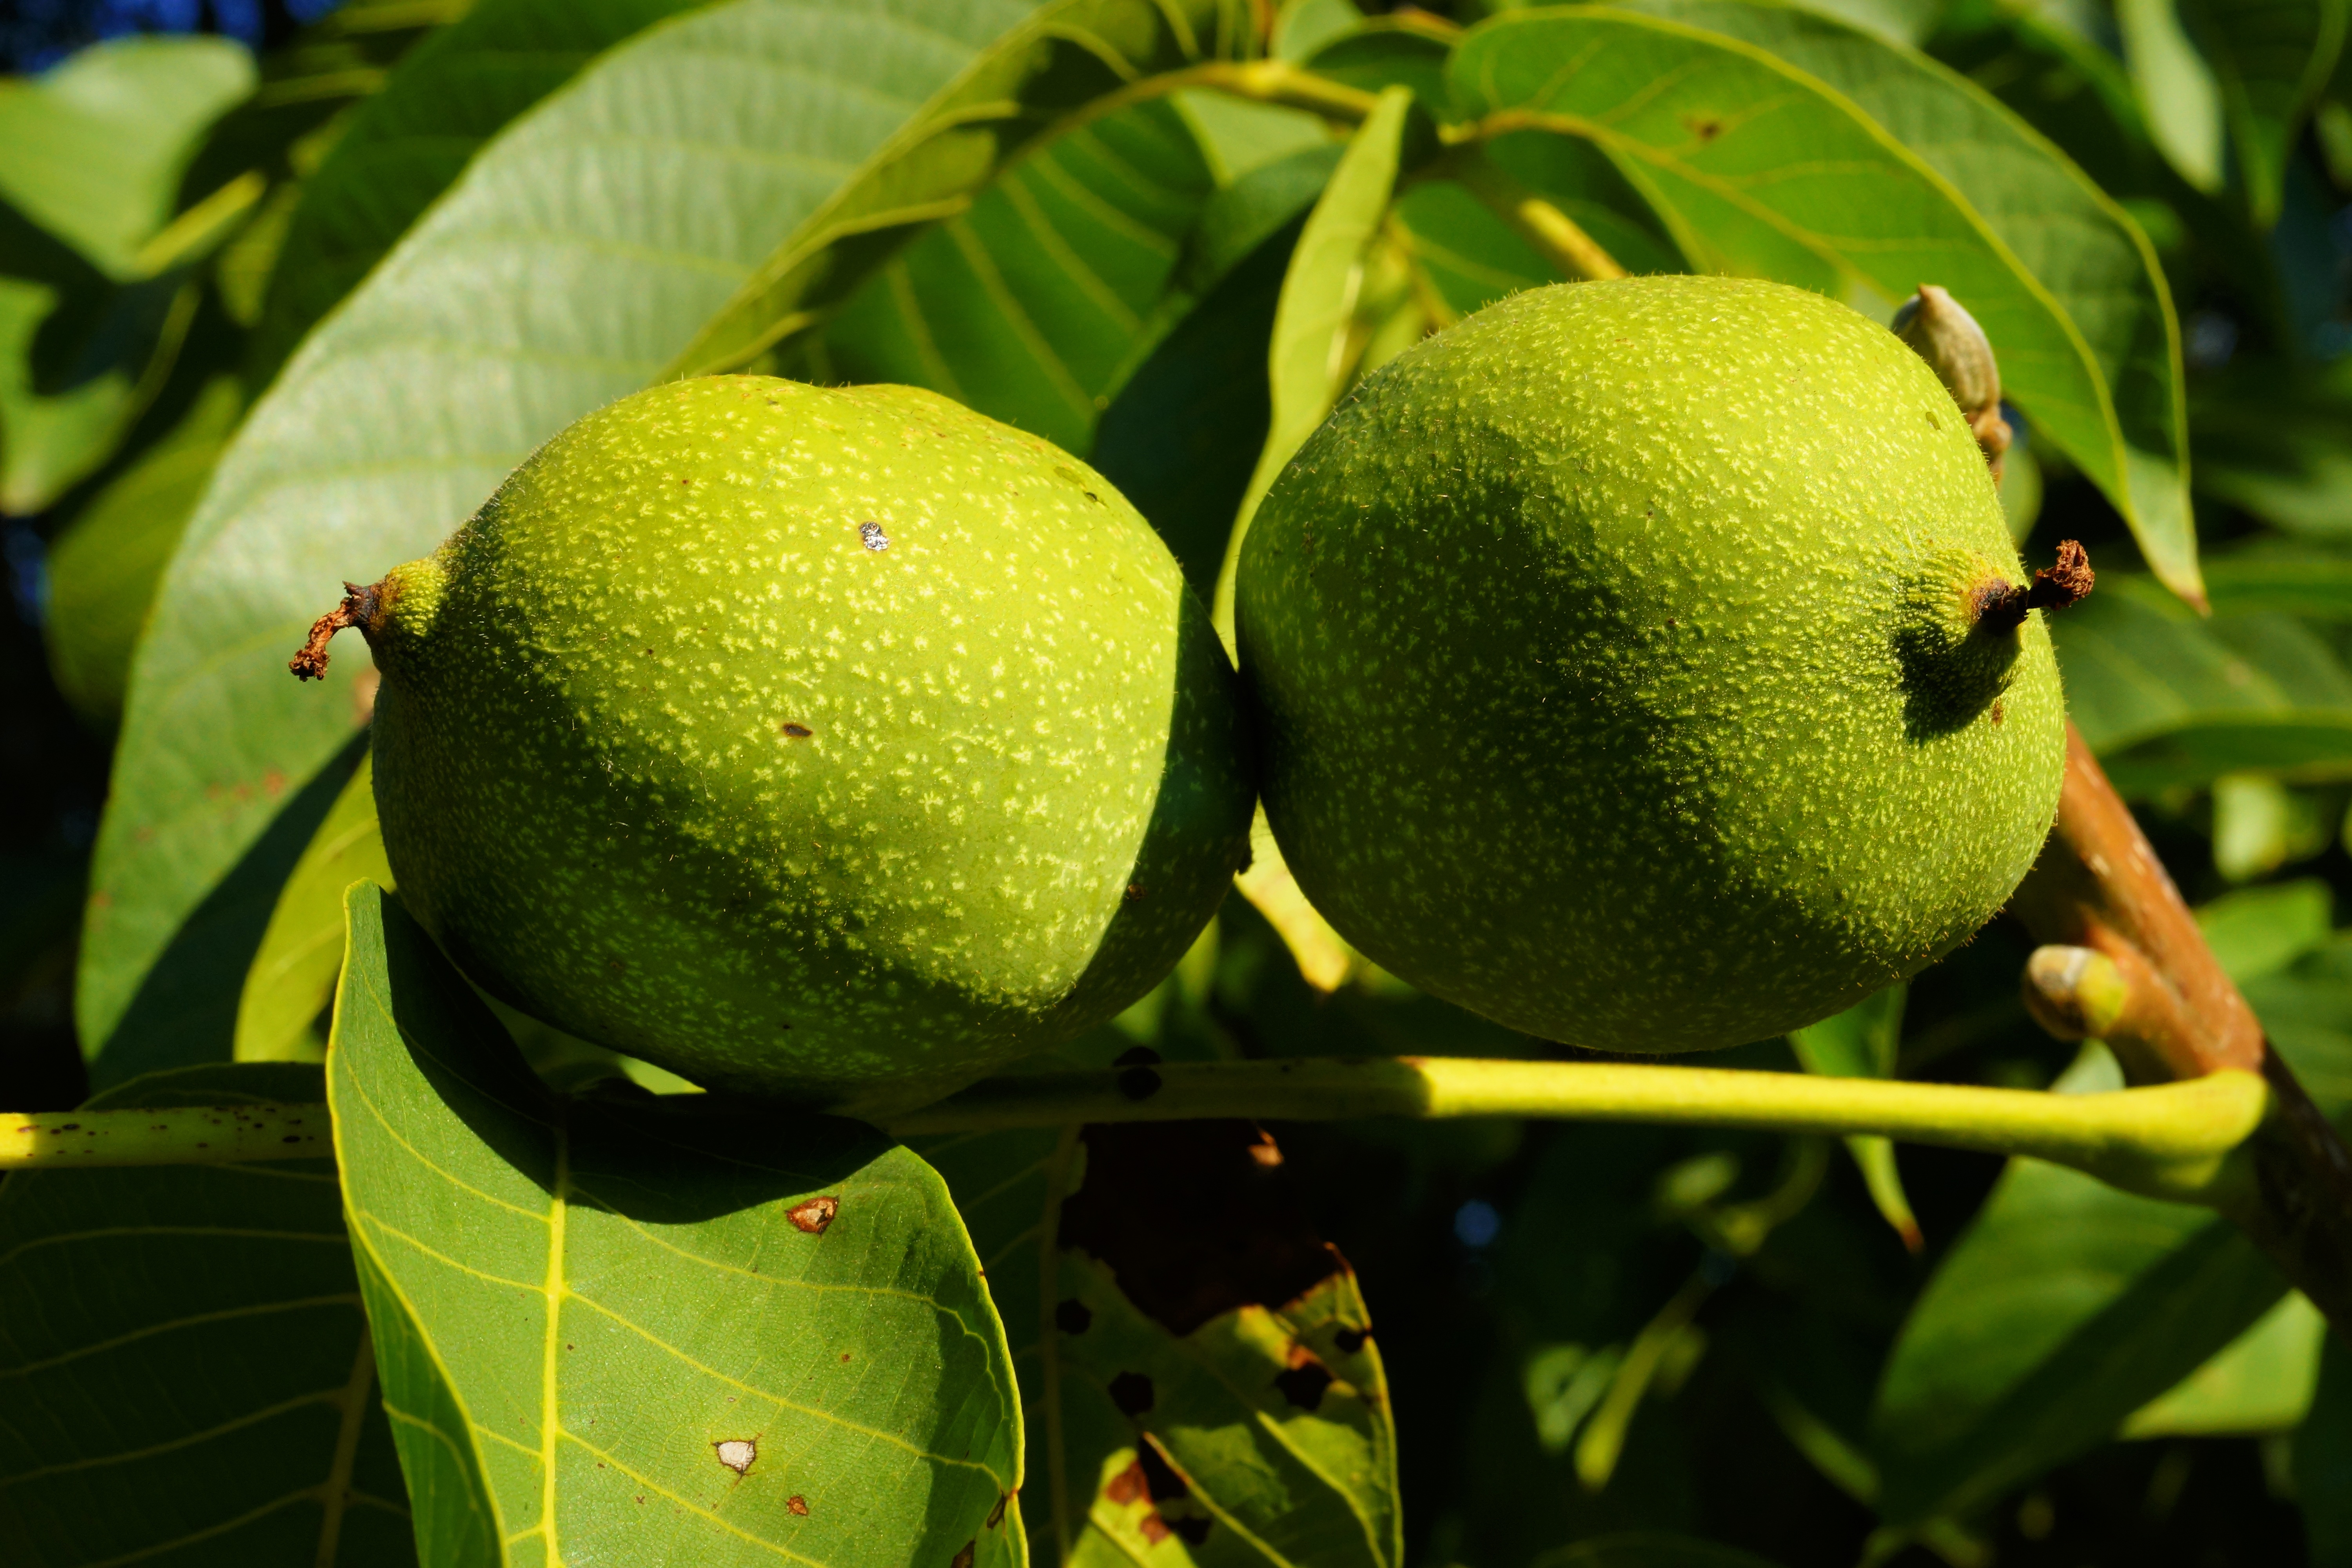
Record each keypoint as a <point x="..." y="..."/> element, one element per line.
<point x="265" y="328"/>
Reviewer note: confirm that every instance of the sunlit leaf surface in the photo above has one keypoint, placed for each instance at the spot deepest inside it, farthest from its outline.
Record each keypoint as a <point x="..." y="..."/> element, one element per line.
<point x="649" y="1331"/>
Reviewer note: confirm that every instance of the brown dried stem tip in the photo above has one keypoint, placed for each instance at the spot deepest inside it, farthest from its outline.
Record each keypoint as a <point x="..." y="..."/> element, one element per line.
<point x="358" y="609"/>
<point x="2054" y="587"/>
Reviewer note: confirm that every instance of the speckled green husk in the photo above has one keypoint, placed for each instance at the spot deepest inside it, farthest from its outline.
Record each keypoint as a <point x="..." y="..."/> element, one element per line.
<point x="838" y="745"/>
<point x="1618" y="672"/>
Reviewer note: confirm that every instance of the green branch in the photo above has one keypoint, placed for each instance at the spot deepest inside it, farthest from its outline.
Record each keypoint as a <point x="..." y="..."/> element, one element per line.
<point x="2171" y="1141"/>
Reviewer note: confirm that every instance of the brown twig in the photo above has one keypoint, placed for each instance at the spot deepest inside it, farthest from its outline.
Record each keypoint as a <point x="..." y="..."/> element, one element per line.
<point x="2163" y="1003"/>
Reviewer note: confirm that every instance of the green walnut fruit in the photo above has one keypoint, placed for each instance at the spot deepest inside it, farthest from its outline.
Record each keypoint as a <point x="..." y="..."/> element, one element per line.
<point x="1646" y="665"/>
<point x="837" y="745"/>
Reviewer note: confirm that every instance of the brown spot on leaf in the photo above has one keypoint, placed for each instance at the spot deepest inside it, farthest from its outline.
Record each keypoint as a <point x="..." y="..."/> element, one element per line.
<point x="1154" y="1527"/>
<point x="1705" y="127"/>
<point x="1135" y="892"/>
<point x="796" y="731"/>
<point x="796" y="1505"/>
<point x="813" y="1216"/>
<point x="1127" y="1485"/>
<point x="1193" y="1222"/>
<point x="1999" y="712"/>
<point x="996" y="1514"/>
<point x="963" y="1558"/>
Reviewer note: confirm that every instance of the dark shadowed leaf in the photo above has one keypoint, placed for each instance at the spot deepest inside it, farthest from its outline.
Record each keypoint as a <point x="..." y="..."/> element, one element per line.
<point x="644" y="1331"/>
<point x="2271" y="59"/>
<point x="1764" y="168"/>
<point x="1183" y="435"/>
<point x="2322" y="1460"/>
<point x="104" y="567"/>
<point x="1197" y="1368"/>
<point x="1648" y="1551"/>
<point x="1037" y="305"/>
<point x="574" y="258"/>
<point x="185" y="1364"/>
<point x="48" y="443"/>
<point x="2064" y="1308"/>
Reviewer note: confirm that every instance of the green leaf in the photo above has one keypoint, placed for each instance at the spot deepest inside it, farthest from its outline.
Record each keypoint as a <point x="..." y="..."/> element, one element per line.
<point x="1762" y="167"/>
<point x="291" y="982"/>
<point x="2071" y="241"/>
<point x="1035" y="305"/>
<point x="1862" y="1042"/>
<point x="2064" y="1307"/>
<point x="48" y="444"/>
<point x="583" y="1306"/>
<point x="1307" y="363"/>
<point x="1065" y="63"/>
<point x="2306" y="1010"/>
<point x="2167" y="698"/>
<point x="1388" y="51"/>
<point x="185" y="1364"/>
<point x="2176" y="93"/>
<point x="2284" y="578"/>
<point x="408" y="143"/>
<point x="2323" y="1460"/>
<point x="1581" y="179"/>
<point x="97" y="144"/>
<point x="2260" y="1383"/>
<point x="1243" y="1418"/>
<point x="2271" y="58"/>
<point x="652" y="184"/>
<point x="104" y="567"/>
<point x="2260" y="931"/>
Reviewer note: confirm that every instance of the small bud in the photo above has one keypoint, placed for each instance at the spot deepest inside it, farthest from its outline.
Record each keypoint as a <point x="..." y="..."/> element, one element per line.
<point x="1941" y="332"/>
<point x="2075" y="993"/>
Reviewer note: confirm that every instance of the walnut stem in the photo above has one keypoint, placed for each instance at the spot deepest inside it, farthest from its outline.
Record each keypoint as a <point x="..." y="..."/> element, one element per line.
<point x="360" y="609"/>
<point x="2068" y="581"/>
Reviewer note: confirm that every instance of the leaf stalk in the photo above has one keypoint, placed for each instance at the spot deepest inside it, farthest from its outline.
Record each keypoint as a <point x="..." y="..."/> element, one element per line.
<point x="2175" y="1141"/>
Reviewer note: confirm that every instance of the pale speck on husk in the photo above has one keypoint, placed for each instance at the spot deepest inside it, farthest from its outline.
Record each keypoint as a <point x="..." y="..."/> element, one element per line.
<point x="1618" y="670"/>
